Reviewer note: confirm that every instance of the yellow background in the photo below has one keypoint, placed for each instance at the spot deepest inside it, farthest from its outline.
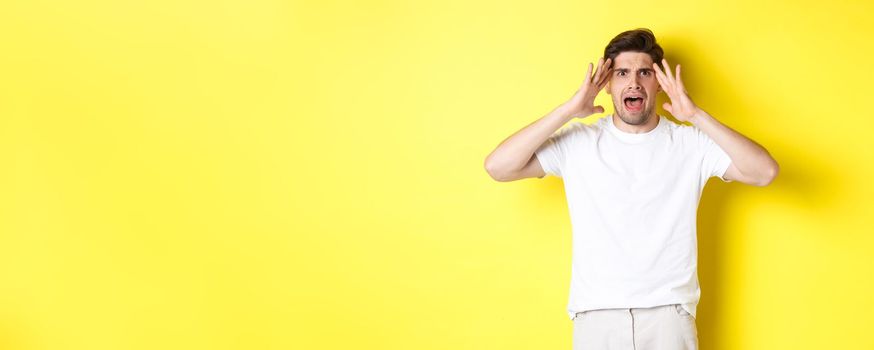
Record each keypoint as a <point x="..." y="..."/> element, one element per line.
<point x="288" y="175"/>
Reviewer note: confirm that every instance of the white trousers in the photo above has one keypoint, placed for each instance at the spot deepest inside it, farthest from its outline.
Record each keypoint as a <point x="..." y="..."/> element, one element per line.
<point x="665" y="327"/>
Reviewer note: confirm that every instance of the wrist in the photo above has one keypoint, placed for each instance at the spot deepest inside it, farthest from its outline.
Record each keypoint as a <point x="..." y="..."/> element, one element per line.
<point x="699" y="117"/>
<point x="565" y="111"/>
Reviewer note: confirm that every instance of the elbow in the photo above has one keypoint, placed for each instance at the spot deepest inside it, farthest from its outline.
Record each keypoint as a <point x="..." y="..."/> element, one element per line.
<point x="492" y="170"/>
<point x="769" y="175"/>
<point x="495" y="171"/>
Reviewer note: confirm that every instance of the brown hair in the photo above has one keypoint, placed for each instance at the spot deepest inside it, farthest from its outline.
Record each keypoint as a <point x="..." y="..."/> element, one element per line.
<point x="638" y="40"/>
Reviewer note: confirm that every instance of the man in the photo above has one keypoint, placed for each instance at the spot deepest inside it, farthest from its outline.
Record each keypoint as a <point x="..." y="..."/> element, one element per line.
<point x="633" y="181"/>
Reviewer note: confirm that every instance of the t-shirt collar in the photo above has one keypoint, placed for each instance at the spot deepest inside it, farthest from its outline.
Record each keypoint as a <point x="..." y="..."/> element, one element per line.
<point x="631" y="137"/>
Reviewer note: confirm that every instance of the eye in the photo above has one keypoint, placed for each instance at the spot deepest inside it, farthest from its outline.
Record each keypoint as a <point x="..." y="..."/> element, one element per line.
<point x="644" y="72"/>
<point x="620" y="73"/>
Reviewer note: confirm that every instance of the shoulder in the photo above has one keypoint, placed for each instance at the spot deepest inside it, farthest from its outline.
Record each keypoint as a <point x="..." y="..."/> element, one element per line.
<point x="690" y="136"/>
<point x="684" y="131"/>
<point x="577" y="129"/>
<point x="592" y="127"/>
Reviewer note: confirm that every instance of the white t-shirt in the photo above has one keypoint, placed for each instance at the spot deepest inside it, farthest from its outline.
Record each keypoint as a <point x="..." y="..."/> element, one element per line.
<point x="633" y="200"/>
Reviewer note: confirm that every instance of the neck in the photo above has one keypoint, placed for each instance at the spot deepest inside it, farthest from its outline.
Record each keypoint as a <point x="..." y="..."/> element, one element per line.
<point x="651" y="122"/>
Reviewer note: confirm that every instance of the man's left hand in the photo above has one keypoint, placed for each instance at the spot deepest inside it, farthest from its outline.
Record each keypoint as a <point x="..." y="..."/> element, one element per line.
<point x="681" y="106"/>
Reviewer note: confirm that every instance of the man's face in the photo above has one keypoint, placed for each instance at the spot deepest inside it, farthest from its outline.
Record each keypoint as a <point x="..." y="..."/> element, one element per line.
<point x="634" y="87"/>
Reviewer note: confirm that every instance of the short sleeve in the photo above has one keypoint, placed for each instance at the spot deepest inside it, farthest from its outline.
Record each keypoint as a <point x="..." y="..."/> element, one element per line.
<point x="553" y="153"/>
<point x="715" y="161"/>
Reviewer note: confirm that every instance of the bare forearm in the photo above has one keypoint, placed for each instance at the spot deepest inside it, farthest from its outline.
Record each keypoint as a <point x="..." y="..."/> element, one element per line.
<point x="515" y="151"/>
<point x="748" y="157"/>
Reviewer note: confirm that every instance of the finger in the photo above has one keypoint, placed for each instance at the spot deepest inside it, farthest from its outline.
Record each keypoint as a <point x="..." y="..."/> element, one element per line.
<point x="608" y="68"/>
<point x="603" y="82"/>
<point x="668" y="72"/>
<point x="660" y="76"/>
<point x="588" y="73"/>
<point x="668" y="107"/>
<point x="597" y="74"/>
<point x="604" y="75"/>
<point x="598" y="69"/>
<point x="603" y="78"/>
<point x="602" y="66"/>
<point x="680" y="80"/>
<point x="659" y="73"/>
<point x="664" y="86"/>
<point x="668" y="82"/>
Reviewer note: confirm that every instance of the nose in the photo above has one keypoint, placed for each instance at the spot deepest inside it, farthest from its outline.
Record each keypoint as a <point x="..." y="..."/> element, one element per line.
<point x="634" y="85"/>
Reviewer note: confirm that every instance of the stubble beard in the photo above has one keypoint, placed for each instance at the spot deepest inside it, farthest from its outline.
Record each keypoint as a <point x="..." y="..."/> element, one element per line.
<point x="636" y="119"/>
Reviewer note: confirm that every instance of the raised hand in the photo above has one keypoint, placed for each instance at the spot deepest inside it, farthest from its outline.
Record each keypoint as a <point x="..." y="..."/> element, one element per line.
<point x="581" y="104"/>
<point x="681" y="106"/>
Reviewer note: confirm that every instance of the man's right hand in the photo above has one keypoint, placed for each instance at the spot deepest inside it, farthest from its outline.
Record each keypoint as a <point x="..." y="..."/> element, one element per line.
<point x="515" y="157"/>
<point x="581" y="105"/>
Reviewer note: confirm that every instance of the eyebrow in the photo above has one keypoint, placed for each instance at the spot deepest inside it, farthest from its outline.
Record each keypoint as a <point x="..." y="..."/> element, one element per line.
<point x="639" y="70"/>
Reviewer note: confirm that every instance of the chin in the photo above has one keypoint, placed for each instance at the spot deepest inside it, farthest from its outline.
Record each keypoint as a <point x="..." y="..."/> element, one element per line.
<point x="633" y="119"/>
<point x="640" y="119"/>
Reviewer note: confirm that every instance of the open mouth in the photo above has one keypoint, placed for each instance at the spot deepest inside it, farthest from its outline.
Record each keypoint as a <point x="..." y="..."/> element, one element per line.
<point x="633" y="104"/>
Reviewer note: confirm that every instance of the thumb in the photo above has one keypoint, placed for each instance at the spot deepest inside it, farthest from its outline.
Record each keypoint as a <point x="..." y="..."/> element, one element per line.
<point x="667" y="107"/>
<point x="598" y="109"/>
